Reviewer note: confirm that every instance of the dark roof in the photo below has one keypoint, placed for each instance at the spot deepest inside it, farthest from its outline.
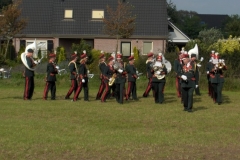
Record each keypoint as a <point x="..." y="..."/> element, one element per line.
<point x="213" y="20"/>
<point x="46" y="17"/>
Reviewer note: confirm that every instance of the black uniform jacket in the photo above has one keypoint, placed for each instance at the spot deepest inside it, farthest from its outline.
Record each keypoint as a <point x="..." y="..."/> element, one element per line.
<point x="31" y="64"/>
<point x="149" y="68"/>
<point x="131" y="71"/>
<point x="121" y="77"/>
<point x="216" y="74"/>
<point x="177" y="65"/>
<point x="73" y="70"/>
<point x="192" y="75"/>
<point x="51" y="71"/>
<point x="102" y="66"/>
<point x="82" y="71"/>
<point x="108" y="72"/>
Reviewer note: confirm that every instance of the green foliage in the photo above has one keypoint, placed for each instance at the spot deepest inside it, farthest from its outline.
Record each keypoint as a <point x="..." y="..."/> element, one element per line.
<point x="61" y="55"/>
<point x="81" y="47"/>
<point x="208" y="37"/>
<point x="172" y="11"/>
<point x="93" y="67"/>
<point x="229" y="45"/>
<point x="189" y="23"/>
<point x="21" y="50"/>
<point x="232" y="26"/>
<point x="136" y="53"/>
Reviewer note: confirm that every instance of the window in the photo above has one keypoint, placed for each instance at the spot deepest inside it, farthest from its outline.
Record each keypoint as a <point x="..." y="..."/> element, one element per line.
<point x="68" y="13"/>
<point x="147" y="46"/>
<point x="40" y="45"/>
<point x="126" y="48"/>
<point x="97" y="14"/>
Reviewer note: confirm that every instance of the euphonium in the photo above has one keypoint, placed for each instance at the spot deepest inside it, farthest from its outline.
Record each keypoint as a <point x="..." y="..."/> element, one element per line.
<point x="158" y="68"/>
<point x="110" y="83"/>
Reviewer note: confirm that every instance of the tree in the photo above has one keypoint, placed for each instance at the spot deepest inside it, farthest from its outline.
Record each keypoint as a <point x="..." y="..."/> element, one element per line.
<point x="208" y="37"/>
<point x="81" y="47"/>
<point x="232" y="26"/>
<point x="189" y="23"/>
<point x="4" y="3"/>
<point x="11" y="23"/>
<point x="119" y="22"/>
<point x="172" y="11"/>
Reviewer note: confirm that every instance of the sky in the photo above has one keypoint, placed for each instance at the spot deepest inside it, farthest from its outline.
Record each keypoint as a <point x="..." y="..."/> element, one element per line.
<point x="229" y="7"/>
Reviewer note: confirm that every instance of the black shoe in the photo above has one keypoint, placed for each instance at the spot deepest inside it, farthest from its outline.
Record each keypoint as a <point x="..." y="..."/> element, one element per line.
<point x="219" y="103"/>
<point x="136" y="99"/>
<point x="185" y="109"/>
<point x="190" y="111"/>
<point x="86" y="100"/>
<point x="67" y="98"/>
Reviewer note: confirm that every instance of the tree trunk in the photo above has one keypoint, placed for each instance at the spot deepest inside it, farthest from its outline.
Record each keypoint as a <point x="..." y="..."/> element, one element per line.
<point x="6" y="49"/>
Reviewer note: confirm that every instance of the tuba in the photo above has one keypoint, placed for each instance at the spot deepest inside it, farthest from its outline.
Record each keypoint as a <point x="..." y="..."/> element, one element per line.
<point x="23" y="55"/>
<point x="158" y="68"/>
<point x="194" y="51"/>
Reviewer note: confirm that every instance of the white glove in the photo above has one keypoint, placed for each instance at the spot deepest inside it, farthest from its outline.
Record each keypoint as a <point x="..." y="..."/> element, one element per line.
<point x="39" y="61"/>
<point x="110" y="79"/>
<point x="207" y="72"/>
<point x="196" y="86"/>
<point x="184" y="77"/>
<point x="137" y="72"/>
<point x="157" y="72"/>
<point x="199" y="65"/>
<point x="83" y="80"/>
<point x="120" y="70"/>
<point x="57" y="67"/>
<point x="36" y="62"/>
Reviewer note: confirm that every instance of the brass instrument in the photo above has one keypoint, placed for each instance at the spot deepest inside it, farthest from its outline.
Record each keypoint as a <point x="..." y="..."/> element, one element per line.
<point x="220" y="64"/>
<point x="113" y="78"/>
<point x="158" y="67"/>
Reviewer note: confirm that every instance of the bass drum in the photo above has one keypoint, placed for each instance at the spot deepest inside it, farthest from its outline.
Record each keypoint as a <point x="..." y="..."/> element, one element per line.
<point x="168" y="65"/>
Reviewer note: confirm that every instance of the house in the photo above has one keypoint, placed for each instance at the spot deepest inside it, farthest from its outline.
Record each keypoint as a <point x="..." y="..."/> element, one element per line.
<point x="63" y="22"/>
<point x="176" y="36"/>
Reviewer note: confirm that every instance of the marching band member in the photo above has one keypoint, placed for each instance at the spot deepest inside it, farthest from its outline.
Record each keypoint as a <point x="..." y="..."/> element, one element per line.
<point x="82" y="78"/>
<point x="29" y="75"/>
<point x="73" y="75"/>
<point x="217" y="78"/>
<point x="108" y="76"/>
<point x="132" y="76"/>
<point x="158" y="81"/>
<point x="102" y="65"/>
<point x="208" y="65"/>
<point x="188" y="82"/>
<point x="177" y="66"/>
<point x="51" y="78"/>
<point x="196" y="66"/>
<point x="149" y="62"/>
<point x="120" y="79"/>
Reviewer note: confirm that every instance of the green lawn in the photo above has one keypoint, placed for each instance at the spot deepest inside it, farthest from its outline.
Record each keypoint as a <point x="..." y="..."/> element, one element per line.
<point x="139" y="130"/>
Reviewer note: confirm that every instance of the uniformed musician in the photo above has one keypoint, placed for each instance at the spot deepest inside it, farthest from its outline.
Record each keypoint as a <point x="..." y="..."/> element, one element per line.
<point x="109" y="78"/>
<point x="102" y="64"/>
<point x="73" y="75"/>
<point x="188" y="82"/>
<point x="51" y="78"/>
<point x="149" y="62"/>
<point x="82" y="78"/>
<point x="159" y="71"/>
<point x="132" y="77"/>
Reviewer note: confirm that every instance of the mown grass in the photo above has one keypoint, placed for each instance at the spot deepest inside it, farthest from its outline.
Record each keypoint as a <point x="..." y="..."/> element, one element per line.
<point x="62" y="129"/>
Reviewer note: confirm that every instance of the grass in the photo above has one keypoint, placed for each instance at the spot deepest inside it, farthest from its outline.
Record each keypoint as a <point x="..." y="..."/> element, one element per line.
<point x="141" y="129"/>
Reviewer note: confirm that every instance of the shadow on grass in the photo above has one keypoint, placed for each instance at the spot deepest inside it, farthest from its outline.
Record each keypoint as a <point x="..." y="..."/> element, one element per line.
<point x="199" y="108"/>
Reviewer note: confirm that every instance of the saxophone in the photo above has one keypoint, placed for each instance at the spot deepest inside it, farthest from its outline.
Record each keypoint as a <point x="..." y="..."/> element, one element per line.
<point x="113" y="78"/>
